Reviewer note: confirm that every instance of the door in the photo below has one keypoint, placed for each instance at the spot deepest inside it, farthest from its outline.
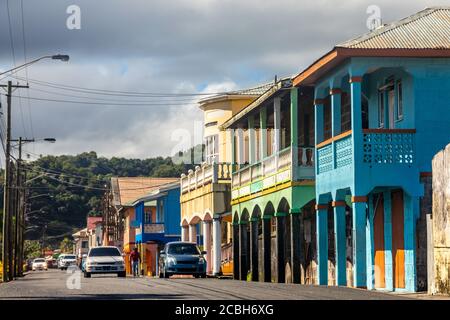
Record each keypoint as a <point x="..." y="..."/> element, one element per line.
<point x="378" y="232"/>
<point x="398" y="242"/>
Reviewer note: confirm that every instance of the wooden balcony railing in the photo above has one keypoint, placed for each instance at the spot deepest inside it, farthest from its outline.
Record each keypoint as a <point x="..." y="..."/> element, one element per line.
<point x="205" y="174"/>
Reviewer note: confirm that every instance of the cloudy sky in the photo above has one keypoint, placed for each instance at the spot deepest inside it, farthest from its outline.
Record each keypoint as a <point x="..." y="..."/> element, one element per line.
<point x="160" y="46"/>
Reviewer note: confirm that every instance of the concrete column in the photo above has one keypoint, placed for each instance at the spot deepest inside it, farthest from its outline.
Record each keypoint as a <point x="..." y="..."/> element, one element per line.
<point x="207" y="245"/>
<point x="281" y="226"/>
<point x="243" y="253"/>
<point x="251" y="140"/>
<point x="217" y="247"/>
<point x="357" y="136"/>
<point x="185" y="233"/>
<point x="340" y="242"/>
<point x="319" y="121"/>
<point x="236" y="246"/>
<point x="277" y="123"/>
<point x="267" y="236"/>
<point x="359" y="242"/>
<point x="233" y="147"/>
<point x="263" y="132"/>
<point x="322" y="243"/>
<point x="193" y="233"/>
<point x="318" y="130"/>
<point x="240" y="138"/>
<point x="335" y="94"/>
<point x="296" y="238"/>
<point x="254" y="248"/>
<point x="388" y="259"/>
<point x="410" y="204"/>
<point x="294" y="131"/>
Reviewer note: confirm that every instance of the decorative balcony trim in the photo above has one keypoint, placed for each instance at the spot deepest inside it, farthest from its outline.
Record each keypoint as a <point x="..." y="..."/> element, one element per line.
<point x="426" y="174"/>
<point x="389" y="130"/>
<point x="321" y="207"/>
<point x="338" y="204"/>
<point x="335" y="138"/>
<point x="359" y="199"/>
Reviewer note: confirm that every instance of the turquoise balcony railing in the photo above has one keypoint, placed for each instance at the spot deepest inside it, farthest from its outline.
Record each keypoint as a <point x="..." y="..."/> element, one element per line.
<point x="384" y="147"/>
<point x="380" y="147"/>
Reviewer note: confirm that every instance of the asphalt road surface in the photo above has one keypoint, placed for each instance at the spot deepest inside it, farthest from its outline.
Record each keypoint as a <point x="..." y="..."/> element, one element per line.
<point x="56" y="284"/>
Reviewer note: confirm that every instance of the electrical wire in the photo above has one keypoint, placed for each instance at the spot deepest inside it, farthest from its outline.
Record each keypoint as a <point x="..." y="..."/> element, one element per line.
<point x="143" y="104"/>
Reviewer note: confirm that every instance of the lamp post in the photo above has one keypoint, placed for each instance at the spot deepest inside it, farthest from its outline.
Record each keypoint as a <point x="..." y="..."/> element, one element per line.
<point x="61" y="57"/>
<point x="7" y="258"/>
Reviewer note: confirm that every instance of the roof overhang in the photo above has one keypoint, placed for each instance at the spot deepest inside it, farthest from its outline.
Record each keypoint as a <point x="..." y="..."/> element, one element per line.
<point x="333" y="58"/>
<point x="224" y="97"/>
<point x="282" y="84"/>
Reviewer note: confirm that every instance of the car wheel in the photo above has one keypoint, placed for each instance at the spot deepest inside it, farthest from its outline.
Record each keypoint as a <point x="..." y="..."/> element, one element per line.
<point x="203" y="275"/>
<point x="87" y="274"/>
<point x="196" y="276"/>
<point x="122" y="274"/>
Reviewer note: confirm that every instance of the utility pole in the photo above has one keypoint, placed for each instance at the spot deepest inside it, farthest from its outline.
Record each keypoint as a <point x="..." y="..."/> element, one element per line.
<point x="19" y="226"/>
<point x="6" y="190"/>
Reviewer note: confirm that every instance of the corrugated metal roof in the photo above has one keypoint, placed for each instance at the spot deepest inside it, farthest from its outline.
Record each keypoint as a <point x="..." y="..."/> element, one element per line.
<point x="427" y="29"/>
<point x="270" y="91"/>
<point x="127" y="189"/>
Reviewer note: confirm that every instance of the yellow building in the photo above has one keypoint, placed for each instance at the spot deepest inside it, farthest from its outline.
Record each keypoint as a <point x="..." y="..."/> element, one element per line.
<point x="206" y="191"/>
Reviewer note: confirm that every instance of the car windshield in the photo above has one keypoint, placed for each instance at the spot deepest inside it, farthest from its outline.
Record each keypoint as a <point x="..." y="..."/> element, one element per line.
<point x="183" y="248"/>
<point x="39" y="260"/>
<point x="69" y="257"/>
<point x="102" y="252"/>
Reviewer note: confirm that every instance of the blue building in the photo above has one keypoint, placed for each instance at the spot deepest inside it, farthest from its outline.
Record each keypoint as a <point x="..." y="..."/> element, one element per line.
<point x="382" y="103"/>
<point x="157" y="222"/>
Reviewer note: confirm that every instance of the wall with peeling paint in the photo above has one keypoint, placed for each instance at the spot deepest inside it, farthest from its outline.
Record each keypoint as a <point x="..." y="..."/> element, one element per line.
<point x="441" y="222"/>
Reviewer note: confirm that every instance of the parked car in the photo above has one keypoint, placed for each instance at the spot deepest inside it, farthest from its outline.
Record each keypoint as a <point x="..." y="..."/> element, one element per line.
<point x="83" y="262"/>
<point x="182" y="258"/>
<point x="66" y="260"/>
<point x="104" y="260"/>
<point x="39" y="264"/>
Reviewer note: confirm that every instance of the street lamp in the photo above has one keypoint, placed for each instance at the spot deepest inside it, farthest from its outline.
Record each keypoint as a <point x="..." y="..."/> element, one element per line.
<point x="62" y="57"/>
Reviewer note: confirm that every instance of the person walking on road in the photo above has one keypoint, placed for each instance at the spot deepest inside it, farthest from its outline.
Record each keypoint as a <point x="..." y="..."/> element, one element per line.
<point x="135" y="258"/>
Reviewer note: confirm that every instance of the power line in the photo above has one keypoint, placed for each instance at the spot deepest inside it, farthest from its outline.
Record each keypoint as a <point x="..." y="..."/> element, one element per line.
<point x="110" y="100"/>
<point x="110" y="103"/>
<point x="11" y="40"/>
<point x="30" y="117"/>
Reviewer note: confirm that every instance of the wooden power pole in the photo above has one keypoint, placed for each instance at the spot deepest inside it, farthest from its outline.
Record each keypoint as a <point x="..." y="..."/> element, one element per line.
<point x="7" y="216"/>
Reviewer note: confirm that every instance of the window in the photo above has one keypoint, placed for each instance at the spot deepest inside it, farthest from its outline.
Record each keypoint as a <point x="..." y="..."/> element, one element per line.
<point x="399" y="101"/>
<point x="212" y="149"/>
<point x="84" y="244"/>
<point x="148" y="217"/>
<point x="381" y="109"/>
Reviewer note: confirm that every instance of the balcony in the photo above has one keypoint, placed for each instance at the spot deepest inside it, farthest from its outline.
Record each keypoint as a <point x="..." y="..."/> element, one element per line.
<point x="157" y="227"/>
<point x="273" y="170"/>
<point x="205" y="174"/>
<point x="385" y="157"/>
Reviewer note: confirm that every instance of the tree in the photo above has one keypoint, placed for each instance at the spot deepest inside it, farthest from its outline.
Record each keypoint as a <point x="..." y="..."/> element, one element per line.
<point x="32" y="249"/>
<point x="65" y="246"/>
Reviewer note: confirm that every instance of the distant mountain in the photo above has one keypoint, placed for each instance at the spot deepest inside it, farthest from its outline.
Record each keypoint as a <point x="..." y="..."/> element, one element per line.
<point x="72" y="188"/>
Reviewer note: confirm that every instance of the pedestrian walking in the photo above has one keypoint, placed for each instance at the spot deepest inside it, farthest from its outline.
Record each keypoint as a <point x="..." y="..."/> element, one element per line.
<point x="135" y="258"/>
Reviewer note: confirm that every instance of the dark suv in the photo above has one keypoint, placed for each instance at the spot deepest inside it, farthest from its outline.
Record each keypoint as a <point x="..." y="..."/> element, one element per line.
<point x="182" y="258"/>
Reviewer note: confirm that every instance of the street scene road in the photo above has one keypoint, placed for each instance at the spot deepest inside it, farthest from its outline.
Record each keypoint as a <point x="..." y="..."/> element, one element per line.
<point x="52" y="284"/>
